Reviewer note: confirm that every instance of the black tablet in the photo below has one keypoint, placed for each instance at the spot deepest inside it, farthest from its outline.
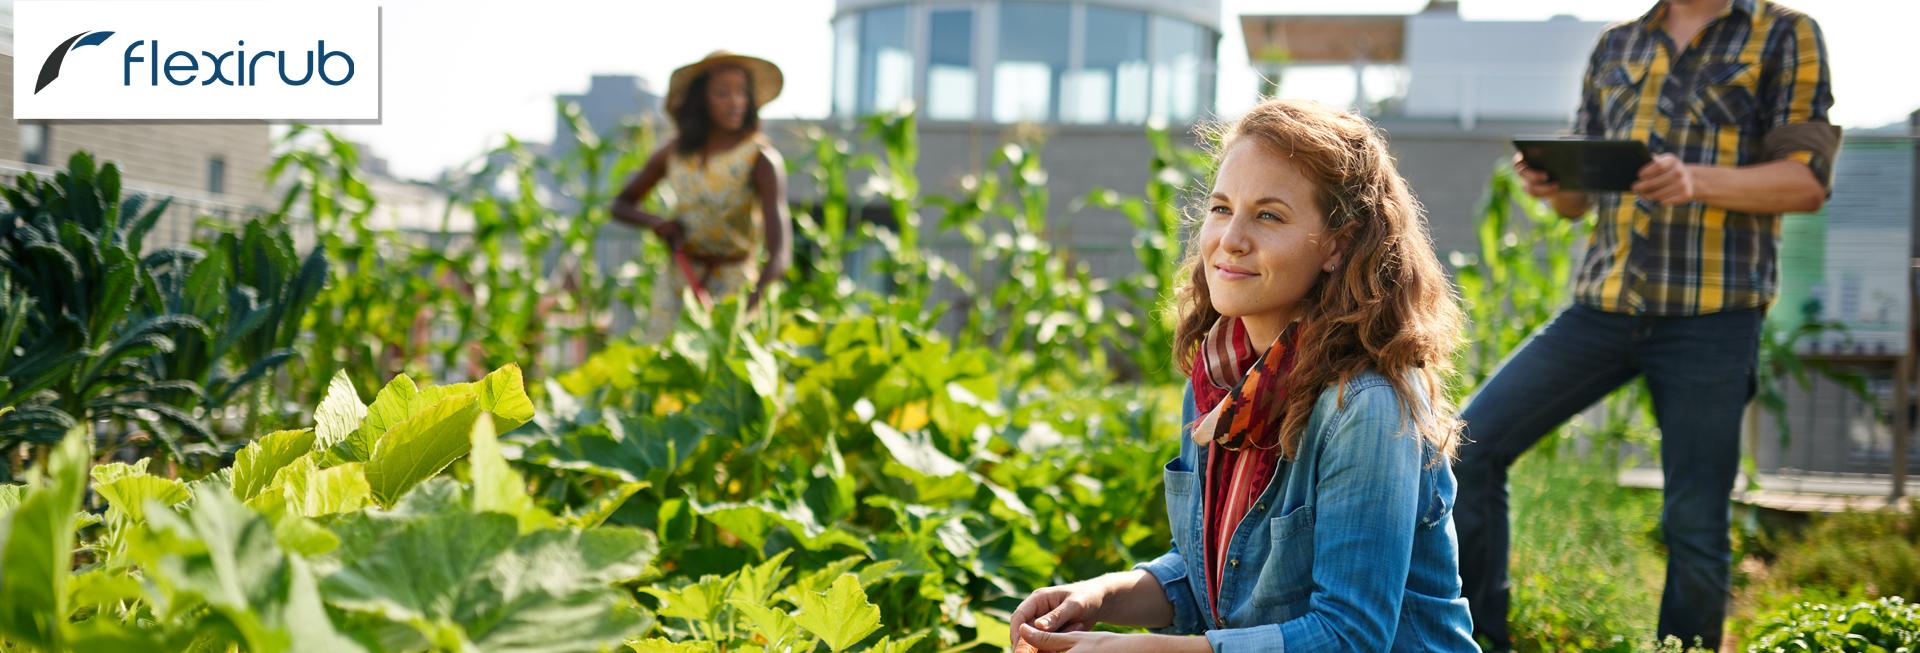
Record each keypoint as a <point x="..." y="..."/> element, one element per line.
<point x="1585" y="164"/>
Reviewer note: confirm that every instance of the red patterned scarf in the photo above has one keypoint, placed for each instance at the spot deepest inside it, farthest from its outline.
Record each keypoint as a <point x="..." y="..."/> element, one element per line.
<point x="1235" y="393"/>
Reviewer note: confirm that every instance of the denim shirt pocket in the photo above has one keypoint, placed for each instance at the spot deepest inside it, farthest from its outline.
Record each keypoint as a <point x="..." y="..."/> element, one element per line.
<point x="1181" y="496"/>
<point x="1287" y="576"/>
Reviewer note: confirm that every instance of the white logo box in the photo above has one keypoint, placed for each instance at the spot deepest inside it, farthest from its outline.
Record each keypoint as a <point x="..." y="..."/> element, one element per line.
<point x="196" y="60"/>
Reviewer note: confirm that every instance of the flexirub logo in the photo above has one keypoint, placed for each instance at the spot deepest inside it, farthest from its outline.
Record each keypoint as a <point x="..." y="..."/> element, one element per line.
<point x="198" y="59"/>
<point x="233" y="67"/>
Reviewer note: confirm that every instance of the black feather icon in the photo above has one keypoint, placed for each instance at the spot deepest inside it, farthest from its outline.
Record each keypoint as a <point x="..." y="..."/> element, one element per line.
<point x="51" y="69"/>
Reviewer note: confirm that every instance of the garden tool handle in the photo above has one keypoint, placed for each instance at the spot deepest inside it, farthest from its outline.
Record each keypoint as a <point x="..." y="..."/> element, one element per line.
<point x="693" y="280"/>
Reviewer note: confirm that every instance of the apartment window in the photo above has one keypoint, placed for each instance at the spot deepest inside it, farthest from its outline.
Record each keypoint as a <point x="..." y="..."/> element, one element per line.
<point x="1181" y="67"/>
<point x="36" y="142"/>
<point x="1033" y="59"/>
<point x="886" y="64"/>
<point x="1111" y="85"/>
<point x="217" y="175"/>
<point x="846" y="62"/>
<point x="952" y="86"/>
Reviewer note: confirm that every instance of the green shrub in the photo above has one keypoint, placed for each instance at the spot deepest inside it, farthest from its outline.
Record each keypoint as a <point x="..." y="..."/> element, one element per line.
<point x="1874" y="553"/>
<point x="1889" y="624"/>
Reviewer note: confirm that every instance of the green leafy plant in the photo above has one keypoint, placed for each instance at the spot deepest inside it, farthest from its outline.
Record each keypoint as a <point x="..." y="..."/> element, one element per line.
<point x="154" y="344"/>
<point x="1889" y="624"/>
<point x="295" y="547"/>
<point x="1158" y="217"/>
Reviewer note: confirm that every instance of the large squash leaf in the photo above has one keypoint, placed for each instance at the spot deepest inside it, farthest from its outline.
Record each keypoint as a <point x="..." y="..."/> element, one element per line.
<point x="36" y="549"/>
<point x="225" y="557"/>
<point x="460" y="580"/>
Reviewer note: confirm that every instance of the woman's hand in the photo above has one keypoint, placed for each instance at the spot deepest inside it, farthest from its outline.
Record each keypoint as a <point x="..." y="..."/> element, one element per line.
<point x="1093" y="642"/>
<point x="1063" y="608"/>
<point x="671" y="232"/>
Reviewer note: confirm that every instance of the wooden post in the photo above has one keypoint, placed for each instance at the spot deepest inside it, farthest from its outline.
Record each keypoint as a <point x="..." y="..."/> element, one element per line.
<point x="1750" y="441"/>
<point x="1902" y="416"/>
<point x="1902" y="421"/>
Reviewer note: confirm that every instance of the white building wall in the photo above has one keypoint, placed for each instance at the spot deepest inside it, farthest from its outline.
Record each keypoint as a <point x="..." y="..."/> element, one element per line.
<point x="1476" y="70"/>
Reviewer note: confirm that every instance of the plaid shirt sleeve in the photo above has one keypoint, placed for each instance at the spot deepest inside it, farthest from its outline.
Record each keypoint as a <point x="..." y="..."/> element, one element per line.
<point x="1798" y="99"/>
<point x="1588" y="120"/>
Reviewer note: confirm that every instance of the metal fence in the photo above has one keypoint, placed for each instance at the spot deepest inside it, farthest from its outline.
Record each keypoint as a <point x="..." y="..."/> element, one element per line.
<point x="187" y="214"/>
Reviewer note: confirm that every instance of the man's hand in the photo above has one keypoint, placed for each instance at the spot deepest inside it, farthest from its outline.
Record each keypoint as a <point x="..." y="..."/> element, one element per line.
<point x="1534" y="179"/>
<point x="1668" y="181"/>
<point x="1571" y="205"/>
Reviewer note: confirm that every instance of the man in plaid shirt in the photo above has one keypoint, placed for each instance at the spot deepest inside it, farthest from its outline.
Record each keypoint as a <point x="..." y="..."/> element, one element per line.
<point x="1732" y="98"/>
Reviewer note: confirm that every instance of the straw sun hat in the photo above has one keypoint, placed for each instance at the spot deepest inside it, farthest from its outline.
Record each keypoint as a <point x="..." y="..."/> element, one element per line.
<point x="766" y="77"/>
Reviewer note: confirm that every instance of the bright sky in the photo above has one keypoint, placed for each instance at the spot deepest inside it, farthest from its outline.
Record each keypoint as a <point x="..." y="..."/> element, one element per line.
<point x="460" y="75"/>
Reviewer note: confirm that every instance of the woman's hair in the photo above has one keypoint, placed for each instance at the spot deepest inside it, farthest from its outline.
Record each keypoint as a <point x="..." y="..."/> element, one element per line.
<point x="693" y="122"/>
<point x="1388" y="306"/>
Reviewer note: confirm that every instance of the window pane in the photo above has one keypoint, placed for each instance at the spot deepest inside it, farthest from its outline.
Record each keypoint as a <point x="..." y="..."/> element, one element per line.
<point x="893" y="79"/>
<point x="1022" y="91"/>
<point x="1115" y="37"/>
<point x="1089" y="96"/>
<point x="1181" y="57"/>
<point x="886" y="65"/>
<point x="952" y="86"/>
<point x="1033" y="59"/>
<point x="1130" y="94"/>
<point x="34" y="143"/>
<point x="1111" y="85"/>
<point x="217" y="175"/>
<point x="846" y="61"/>
<point x="951" y="42"/>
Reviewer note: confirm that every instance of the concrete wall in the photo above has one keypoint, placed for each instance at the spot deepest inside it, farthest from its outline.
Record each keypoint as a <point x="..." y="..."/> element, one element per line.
<point x="1448" y="168"/>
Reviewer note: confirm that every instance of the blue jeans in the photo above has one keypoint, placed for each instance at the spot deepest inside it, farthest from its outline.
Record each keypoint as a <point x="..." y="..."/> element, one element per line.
<point x="1700" y="370"/>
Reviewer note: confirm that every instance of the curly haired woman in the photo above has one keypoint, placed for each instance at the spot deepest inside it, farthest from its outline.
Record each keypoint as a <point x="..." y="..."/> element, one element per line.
<point x="1311" y="503"/>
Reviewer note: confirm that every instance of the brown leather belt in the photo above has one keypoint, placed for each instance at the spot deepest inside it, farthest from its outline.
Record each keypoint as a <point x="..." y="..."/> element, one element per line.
<point x="719" y="260"/>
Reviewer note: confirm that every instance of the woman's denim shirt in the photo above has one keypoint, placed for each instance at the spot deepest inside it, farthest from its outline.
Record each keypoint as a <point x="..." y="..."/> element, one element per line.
<point x="1350" y="548"/>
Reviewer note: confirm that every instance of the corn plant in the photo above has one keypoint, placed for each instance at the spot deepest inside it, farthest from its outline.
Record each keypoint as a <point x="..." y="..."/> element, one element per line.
<point x="530" y="261"/>
<point x="893" y="180"/>
<point x="1521" y="277"/>
<point x="1158" y="216"/>
<point x="827" y="163"/>
<point x="373" y="316"/>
